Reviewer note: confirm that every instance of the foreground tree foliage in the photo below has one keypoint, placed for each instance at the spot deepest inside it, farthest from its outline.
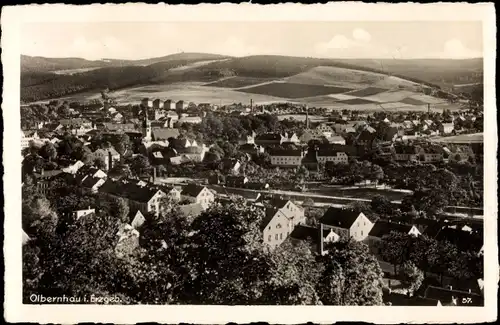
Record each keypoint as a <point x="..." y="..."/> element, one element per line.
<point x="351" y="276"/>
<point x="217" y="257"/>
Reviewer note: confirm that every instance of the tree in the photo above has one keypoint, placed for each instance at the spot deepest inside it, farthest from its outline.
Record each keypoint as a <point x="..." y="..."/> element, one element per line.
<point x="308" y="202"/>
<point x="382" y="205"/>
<point x="411" y="276"/>
<point x="394" y="248"/>
<point x="351" y="276"/>
<point x="140" y="164"/>
<point x="230" y="264"/>
<point x="121" y="143"/>
<point x="293" y="276"/>
<point x="48" y="151"/>
<point x="120" y="209"/>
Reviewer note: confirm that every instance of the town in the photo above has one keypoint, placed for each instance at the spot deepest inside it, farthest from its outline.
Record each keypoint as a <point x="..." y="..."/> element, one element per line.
<point x="173" y="202"/>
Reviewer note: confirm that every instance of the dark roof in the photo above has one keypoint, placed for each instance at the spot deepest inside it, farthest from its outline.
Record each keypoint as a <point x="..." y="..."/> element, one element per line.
<point x="269" y="215"/>
<point x="278" y="203"/>
<point x="349" y="150"/>
<point x="421" y="301"/>
<point x="285" y="152"/>
<point x="412" y="150"/>
<point x="87" y="170"/>
<point x="445" y="296"/>
<point x="89" y="182"/>
<point x="428" y="227"/>
<point x="309" y="233"/>
<point x="128" y="190"/>
<point x="328" y="152"/>
<point x="464" y="240"/>
<point x="48" y="173"/>
<point x="338" y="217"/>
<point x="192" y="190"/>
<point x="268" y="137"/>
<point x="73" y="121"/>
<point x="248" y="146"/>
<point x="382" y="228"/>
<point x="164" y="133"/>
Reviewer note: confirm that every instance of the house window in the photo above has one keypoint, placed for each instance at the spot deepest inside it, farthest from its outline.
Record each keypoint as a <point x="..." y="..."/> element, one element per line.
<point x="361" y="232"/>
<point x="276" y="236"/>
<point x="269" y="238"/>
<point x="281" y="236"/>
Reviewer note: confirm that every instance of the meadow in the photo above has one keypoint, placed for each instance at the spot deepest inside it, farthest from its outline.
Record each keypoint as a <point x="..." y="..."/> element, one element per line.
<point x="293" y="90"/>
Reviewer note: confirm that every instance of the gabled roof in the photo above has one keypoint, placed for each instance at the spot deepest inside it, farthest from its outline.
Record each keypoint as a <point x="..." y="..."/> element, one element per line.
<point x="128" y="190"/>
<point x="338" y="217"/>
<point x="192" y="190"/>
<point x="382" y="228"/>
<point x="164" y="133"/>
<point x="269" y="137"/>
<point x="90" y="182"/>
<point x="270" y="213"/>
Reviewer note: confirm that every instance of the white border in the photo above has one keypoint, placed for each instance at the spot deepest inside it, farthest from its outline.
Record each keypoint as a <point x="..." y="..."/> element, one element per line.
<point x="13" y="17"/>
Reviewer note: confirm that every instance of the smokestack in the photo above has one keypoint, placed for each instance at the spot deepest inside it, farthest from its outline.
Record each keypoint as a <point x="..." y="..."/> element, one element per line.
<point x="251" y="105"/>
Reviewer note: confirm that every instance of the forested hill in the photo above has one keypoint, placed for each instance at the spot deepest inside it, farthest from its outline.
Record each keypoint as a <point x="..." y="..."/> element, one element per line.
<point x="44" y="78"/>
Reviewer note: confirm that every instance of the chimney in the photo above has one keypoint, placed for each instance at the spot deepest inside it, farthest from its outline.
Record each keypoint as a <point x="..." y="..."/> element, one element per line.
<point x="251" y="105"/>
<point x="110" y="160"/>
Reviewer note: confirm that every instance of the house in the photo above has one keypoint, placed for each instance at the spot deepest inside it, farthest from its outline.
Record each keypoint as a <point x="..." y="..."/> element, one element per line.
<point x="171" y="192"/>
<point x="270" y="139"/>
<point x="311" y="235"/>
<point x="146" y="102"/>
<point x="189" y="120"/>
<point x="43" y="179"/>
<point x="337" y="157"/>
<point x="181" y="105"/>
<point x="325" y="128"/>
<point x="230" y="165"/>
<point x="292" y="138"/>
<point x="236" y="181"/>
<point x="92" y="172"/>
<point x="128" y="241"/>
<point x="247" y="139"/>
<point x="336" y="139"/>
<point x="137" y="218"/>
<point x="382" y="228"/>
<point x="450" y="297"/>
<point x="446" y="128"/>
<point x="110" y="156"/>
<point x="286" y="157"/>
<point x="366" y="136"/>
<point x="251" y="148"/>
<point x="144" y="198"/>
<point x="117" y="117"/>
<point x="161" y="133"/>
<point x="25" y="237"/>
<point x="279" y="221"/>
<point x="92" y="183"/>
<point x="118" y="127"/>
<point x="309" y="135"/>
<point x="73" y="168"/>
<point x="168" y="105"/>
<point x="345" y="223"/>
<point x="27" y="136"/>
<point x="77" y="214"/>
<point x="431" y="154"/>
<point x="459" y="152"/>
<point x="405" y="153"/>
<point x="198" y="194"/>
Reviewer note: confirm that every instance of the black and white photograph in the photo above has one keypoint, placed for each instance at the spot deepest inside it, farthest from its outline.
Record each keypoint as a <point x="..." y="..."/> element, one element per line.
<point x="252" y="162"/>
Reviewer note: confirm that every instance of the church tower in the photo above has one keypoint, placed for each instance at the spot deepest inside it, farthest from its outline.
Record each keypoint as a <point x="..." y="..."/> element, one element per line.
<point x="307" y="117"/>
<point x="146" y="125"/>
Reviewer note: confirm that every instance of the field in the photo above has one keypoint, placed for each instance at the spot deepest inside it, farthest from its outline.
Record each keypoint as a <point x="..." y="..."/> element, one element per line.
<point x="367" y="91"/>
<point x="293" y="90"/>
<point x="73" y="71"/>
<point x="237" y="82"/>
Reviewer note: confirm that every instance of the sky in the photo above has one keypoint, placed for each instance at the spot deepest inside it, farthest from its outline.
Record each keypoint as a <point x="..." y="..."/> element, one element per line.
<point x="139" y="40"/>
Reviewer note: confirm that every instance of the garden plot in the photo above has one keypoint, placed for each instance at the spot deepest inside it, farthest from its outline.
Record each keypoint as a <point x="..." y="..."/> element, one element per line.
<point x="390" y="96"/>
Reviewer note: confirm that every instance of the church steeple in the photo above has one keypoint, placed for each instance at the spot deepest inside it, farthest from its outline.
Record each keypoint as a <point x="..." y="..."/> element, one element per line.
<point x="307" y="117"/>
<point x="146" y="125"/>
